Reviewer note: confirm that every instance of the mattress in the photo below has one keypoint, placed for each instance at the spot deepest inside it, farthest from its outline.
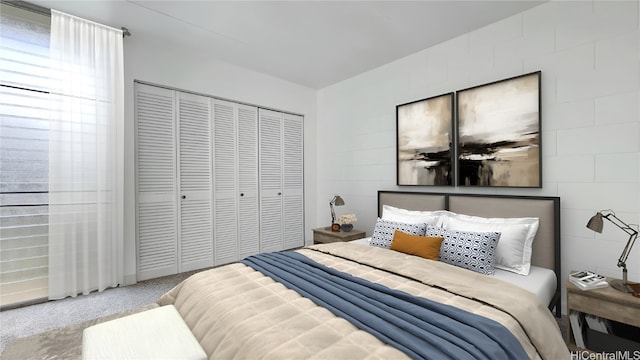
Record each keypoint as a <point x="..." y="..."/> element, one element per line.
<point x="540" y="281"/>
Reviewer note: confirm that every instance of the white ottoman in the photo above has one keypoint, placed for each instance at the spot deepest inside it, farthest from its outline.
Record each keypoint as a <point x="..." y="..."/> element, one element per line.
<point x="159" y="333"/>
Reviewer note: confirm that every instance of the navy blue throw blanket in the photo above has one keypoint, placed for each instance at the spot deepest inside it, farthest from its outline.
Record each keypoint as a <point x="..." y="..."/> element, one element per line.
<point x="421" y="328"/>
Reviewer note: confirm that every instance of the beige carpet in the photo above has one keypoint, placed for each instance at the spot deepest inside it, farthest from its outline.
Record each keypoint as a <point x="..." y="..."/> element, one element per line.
<point x="64" y="343"/>
<point x="27" y="321"/>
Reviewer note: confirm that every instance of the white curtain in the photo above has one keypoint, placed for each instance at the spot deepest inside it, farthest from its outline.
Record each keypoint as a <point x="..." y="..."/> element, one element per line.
<point x="86" y="153"/>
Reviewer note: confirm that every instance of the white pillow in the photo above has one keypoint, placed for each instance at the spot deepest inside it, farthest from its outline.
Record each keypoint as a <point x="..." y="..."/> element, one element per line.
<point x="514" y="248"/>
<point x="411" y="216"/>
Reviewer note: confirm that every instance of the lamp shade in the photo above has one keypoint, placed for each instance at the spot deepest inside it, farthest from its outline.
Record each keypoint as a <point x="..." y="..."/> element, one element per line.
<point x="337" y="200"/>
<point x="596" y="223"/>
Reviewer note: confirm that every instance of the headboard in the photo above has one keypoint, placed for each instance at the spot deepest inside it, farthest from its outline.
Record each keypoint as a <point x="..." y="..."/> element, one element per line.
<point x="546" y="245"/>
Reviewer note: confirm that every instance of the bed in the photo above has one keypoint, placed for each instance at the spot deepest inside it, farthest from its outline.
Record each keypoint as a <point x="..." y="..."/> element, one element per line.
<point x="544" y="277"/>
<point x="357" y="301"/>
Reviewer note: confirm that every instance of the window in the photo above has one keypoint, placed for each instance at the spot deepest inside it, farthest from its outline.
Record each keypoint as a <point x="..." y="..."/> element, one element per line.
<point x="24" y="133"/>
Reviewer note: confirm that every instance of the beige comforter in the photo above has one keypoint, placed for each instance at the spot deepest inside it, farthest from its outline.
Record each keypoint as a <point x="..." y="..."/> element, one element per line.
<point x="237" y="313"/>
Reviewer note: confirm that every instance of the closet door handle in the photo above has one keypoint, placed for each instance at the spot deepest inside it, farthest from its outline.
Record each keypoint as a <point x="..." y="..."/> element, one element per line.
<point x="184" y="196"/>
<point x="241" y="194"/>
<point x="279" y="193"/>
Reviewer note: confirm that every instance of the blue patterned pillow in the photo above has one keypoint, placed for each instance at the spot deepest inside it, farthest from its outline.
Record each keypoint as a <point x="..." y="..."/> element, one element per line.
<point x="383" y="232"/>
<point x="470" y="250"/>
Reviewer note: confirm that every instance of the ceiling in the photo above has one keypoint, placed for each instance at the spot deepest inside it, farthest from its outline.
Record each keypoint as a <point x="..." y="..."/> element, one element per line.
<point x="311" y="43"/>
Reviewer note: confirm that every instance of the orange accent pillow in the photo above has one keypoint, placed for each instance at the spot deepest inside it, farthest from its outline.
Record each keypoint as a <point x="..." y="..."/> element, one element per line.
<point x="424" y="246"/>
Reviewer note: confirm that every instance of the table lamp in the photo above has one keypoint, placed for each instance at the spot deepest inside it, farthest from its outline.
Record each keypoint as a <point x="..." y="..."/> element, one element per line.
<point x="337" y="201"/>
<point x="596" y="224"/>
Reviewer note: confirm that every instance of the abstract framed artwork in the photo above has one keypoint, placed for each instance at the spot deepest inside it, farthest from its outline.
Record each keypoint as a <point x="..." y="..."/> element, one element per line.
<point x="424" y="149"/>
<point x="498" y="133"/>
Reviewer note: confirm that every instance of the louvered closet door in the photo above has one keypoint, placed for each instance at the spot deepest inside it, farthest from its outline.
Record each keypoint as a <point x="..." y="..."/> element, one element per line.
<point x="293" y="180"/>
<point x="157" y="212"/>
<point x="195" y="244"/>
<point x="225" y="185"/>
<point x="270" y="167"/>
<point x="248" y="211"/>
<point x="236" y="214"/>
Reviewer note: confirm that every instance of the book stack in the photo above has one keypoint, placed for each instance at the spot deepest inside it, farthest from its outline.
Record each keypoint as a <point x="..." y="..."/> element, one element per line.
<point x="583" y="327"/>
<point x="603" y="335"/>
<point x="588" y="280"/>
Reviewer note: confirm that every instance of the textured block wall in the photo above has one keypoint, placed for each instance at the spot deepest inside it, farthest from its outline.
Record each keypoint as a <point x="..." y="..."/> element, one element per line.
<point x="588" y="52"/>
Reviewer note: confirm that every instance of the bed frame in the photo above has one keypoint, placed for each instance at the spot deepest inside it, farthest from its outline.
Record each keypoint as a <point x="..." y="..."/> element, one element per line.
<point x="546" y="245"/>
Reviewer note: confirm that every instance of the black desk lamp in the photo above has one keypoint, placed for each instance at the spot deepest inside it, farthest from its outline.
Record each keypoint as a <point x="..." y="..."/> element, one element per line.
<point x="596" y="224"/>
<point x="337" y="201"/>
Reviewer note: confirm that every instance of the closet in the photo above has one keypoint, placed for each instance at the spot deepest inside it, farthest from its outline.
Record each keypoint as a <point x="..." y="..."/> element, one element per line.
<point x="173" y="151"/>
<point x="281" y="180"/>
<point x="236" y="207"/>
<point x="216" y="181"/>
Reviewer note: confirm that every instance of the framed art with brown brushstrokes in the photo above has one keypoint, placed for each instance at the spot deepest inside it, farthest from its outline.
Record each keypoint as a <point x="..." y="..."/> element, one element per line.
<point x="498" y="133"/>
<point x="424" y="149"/>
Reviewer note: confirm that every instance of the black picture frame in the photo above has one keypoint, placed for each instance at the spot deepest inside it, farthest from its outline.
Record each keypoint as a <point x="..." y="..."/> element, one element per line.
<point x="498" y="133"/>
<point x="424" y="142"/>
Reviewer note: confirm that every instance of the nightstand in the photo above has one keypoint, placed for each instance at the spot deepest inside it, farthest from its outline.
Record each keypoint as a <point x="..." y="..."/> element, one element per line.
<point x="606" y="303"/>
<point x="325" y="235"/>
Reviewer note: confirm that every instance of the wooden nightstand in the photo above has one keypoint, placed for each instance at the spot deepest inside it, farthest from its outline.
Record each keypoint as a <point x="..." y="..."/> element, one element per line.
<point x="325" y="235"/>
<point x="606" y="303"/>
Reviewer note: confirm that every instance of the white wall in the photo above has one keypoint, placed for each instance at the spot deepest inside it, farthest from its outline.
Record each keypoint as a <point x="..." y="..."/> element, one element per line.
<point x="152" y="62"/>
<point x="588" y="53"/>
